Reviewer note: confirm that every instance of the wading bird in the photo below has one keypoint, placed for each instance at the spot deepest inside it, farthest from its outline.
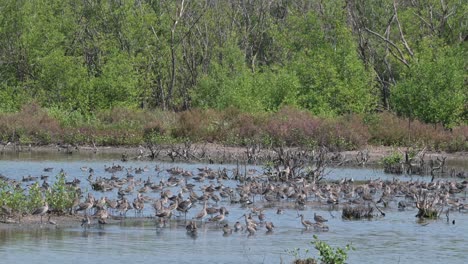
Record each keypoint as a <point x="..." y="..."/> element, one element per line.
<point x="41" y="210"/>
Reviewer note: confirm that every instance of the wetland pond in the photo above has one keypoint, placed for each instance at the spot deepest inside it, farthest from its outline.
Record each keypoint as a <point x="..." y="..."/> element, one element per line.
<point x="399" y="237"/>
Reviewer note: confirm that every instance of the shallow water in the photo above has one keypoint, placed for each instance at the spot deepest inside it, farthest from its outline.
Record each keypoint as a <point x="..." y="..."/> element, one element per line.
<point x="395" y="238"/>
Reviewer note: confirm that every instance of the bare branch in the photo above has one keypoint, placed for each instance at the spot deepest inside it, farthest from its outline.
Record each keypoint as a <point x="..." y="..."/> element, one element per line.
<point x="401" y="57"/>
<point x="425" y="21"/>
<point x="401" y="31"/>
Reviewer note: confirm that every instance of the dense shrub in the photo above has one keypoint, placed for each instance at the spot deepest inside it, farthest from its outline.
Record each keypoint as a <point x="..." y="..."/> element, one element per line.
<point x="288" y="126"/>
<point x="389" y="130"/>
<point x="193" y="124"/>
<point x="31" y="125"/>
<point x="247" y="129"/>
<point x="345" y="133"/>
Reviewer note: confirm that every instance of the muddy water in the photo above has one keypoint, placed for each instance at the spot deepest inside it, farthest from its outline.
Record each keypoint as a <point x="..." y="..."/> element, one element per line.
<point x="396" y="238"/>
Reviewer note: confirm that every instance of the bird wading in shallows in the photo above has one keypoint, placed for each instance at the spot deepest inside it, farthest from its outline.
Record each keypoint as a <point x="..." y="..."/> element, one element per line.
<point x="305" y="223"/>
<point x="41" y="210"/>
<point x="86" y="222"/>
<point x="319" y="218"/>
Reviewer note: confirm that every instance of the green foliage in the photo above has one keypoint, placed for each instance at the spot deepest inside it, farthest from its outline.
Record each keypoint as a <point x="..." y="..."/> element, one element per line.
<point x="35" y="197"/>
<point x="12" y="98"/>
<point x="434" y="87"/>
<point x="327" y="254"/>
<point x="61" y="196"/>
<point x="229" y="83"/>
<point x="392" y="159"/>
<point x="300" y="257"/>
<point x="62" y="81"/>
<point x="80" y="59"/>
<point x="3" y="190"/>
<point x="73" y="118"/>
<point x="332" y="78"/>
<point x="13" y="197"/>
<point x="18" y="200"/>
<point x="87" y="56"/>
<point x="277" y="88"/>
<point x="116" y="85"/>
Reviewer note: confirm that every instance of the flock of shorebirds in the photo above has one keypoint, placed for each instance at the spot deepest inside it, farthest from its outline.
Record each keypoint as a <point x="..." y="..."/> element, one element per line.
<point x="179" y="191"/>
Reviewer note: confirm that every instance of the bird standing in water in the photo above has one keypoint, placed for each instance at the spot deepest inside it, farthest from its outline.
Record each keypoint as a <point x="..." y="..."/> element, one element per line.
<point x="238" y="227"/>
<point x="227" y="230"/>
<point x="269" y="226"/>
<point x="202" y="213"/>
<point x="41" y="210"/>
<point x="305" y="223"/>
<point x="219" y="218"/>
<point x="85" y="222"/>
<point x="319" y="218"/>
<point x="191" y="228"/>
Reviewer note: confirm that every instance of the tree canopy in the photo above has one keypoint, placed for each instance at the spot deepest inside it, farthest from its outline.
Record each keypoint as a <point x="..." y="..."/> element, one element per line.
<point x="329" y="57"/>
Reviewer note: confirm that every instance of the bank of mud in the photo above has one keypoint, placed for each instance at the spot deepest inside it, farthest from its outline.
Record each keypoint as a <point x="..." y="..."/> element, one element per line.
<point x="216" y="153"/>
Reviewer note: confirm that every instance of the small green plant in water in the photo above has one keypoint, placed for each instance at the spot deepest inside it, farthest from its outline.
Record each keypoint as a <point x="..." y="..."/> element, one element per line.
<point x="327" y="254"/>
<point x="393" y="163"/>
<point x="299" y="257"/>
<point x="392" y="159"/>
